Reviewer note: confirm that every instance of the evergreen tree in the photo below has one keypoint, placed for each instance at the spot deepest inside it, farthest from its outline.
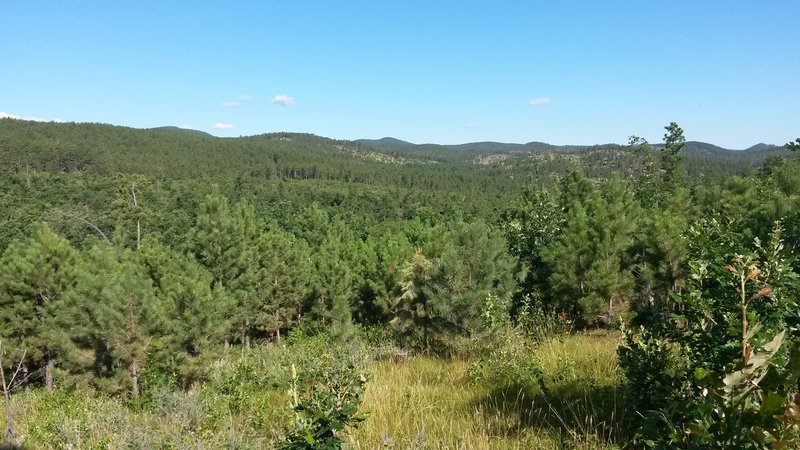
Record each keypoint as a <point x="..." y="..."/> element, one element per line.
<point x="450" y="281"/>
<point x="223" y="241"/>
<point x="125" y="312"/>
<point x="35" y="276"/>
<point x="662" y="254"/>
<point x="196" y="316"/>
<point x="410" y="311"/>
<point x="614" y="223"/>
<point x="589" y="262"/>
<point x="281" y="280"/>
<point x="671" y="156"/>
<point x="334" y="281"/>
<point x="570" y="257"/>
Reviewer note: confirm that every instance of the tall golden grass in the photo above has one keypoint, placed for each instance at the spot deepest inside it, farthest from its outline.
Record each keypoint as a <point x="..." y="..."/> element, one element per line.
<point x="433" y="403"/>
<point x="424" y="402"/>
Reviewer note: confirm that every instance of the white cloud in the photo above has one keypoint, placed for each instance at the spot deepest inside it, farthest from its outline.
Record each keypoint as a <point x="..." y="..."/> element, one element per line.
<point x="237" y="102"/>
<point x="283" y="99"/>
<point x="223" y="126"/>
<point x="5" y="115"/>
<point x="540" y="101"/>
<point x="186" y="126"/>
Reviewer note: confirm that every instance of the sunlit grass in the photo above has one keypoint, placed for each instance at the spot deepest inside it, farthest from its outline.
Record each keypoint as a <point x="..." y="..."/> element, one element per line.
<point x="425" y="402"/>
<point x="433" y="403"/>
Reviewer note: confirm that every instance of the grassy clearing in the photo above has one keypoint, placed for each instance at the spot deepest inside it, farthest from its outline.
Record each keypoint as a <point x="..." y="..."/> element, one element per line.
<point x="425" y="402"/>
<point x="433" y="403"/>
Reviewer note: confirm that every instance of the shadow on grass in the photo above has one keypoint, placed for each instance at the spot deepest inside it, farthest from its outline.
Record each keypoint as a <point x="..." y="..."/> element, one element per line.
<point x="579" y="417"/>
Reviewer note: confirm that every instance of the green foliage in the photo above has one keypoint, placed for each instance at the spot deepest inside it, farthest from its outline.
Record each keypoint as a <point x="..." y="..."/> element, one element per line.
<point x="223" y="241"/>
<point x="35" y="276"/>
<point x="195" y="316"/>
<point x="718" y="371"/>
<point x="671" y="155"/>
<point x="589" y="262"/>
<point x="291" y="233"/>
<point x="325" y="403"/>
<point x="126" y="313"/>
<point x="458" y="269"/>
<point x="281" y="271"/>
<point x="509" y="362"/>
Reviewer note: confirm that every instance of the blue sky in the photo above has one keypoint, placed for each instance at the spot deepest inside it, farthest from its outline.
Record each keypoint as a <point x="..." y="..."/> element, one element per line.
<point x="566" y="72"/>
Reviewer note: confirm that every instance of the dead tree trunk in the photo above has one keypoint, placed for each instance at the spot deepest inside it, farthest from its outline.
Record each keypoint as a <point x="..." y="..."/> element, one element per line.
<point x="135" y="378"/>
<point x="138" y="220"/>
<point x="7" y="387"/>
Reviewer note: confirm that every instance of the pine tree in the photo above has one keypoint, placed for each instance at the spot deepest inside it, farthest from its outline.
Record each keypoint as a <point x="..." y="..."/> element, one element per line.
<point x="125" y="312"/>
<point x="196" y="316"/>
<point x="615" y="220"/>
<point x="334" y="281"/>
<point x="447" y="284"/>
<point x="671" y="156"/>
<point x="570" y="258"/>
<point x="410" y="311"/>
<point x="223" y="240"/>
<point x="281" y="280"/>
<point x="35" y="276"/>
<point x="663" y="258"/>
<point x="216" y="242"/>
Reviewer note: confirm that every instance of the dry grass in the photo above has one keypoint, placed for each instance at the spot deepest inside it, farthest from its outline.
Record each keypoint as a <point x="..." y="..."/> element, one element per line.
<point x="431" y="403"/>
<point x="425" y="402"/>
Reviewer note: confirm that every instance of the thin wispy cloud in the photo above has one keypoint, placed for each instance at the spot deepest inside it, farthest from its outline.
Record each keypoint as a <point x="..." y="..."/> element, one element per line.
<point x="186" y="126"/>
<point x="540" y="101"/>
<point x="283" y="99"/>
<point x="237" y="102"/>
<point x="223" y="126"/>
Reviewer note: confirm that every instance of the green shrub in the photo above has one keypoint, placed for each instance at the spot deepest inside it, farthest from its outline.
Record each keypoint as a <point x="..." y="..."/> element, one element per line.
<point x="509" y="362"/>
<point x="326" y="394"/>
<point x="721" y="369"/>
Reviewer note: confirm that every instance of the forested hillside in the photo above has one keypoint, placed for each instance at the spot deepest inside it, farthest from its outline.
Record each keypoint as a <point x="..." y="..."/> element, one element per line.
<point x="186" y="283"/>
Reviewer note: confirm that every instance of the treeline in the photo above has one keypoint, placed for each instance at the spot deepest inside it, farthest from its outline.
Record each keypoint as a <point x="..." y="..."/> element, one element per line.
<point x="127" y="303"/>
<point x="175" y="154"/>
<point x="471" y="169"/>
<point x="601" y="251"/>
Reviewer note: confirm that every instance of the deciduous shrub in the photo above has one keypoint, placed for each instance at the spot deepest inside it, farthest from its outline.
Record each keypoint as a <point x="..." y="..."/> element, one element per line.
<point x="721" y="369"/>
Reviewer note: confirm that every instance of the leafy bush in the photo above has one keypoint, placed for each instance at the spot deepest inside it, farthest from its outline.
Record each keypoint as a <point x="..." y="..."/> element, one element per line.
<point x="722" y="368"/>
<point x="509" y="362"/>
<point x="326" y="395"/>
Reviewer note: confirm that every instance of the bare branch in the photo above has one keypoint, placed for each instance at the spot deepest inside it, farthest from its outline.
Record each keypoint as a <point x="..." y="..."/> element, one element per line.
<point x="90" y="224"/>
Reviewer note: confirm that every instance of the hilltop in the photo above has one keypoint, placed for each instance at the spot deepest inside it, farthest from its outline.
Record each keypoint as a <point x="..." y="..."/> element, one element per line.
<point x="176" y="153"/>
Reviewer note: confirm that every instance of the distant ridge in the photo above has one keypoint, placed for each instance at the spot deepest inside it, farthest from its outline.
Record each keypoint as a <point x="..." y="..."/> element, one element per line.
<point x="181" y="130"/>
<point x="172" y="152"/>
<point x="691" y="147"/>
